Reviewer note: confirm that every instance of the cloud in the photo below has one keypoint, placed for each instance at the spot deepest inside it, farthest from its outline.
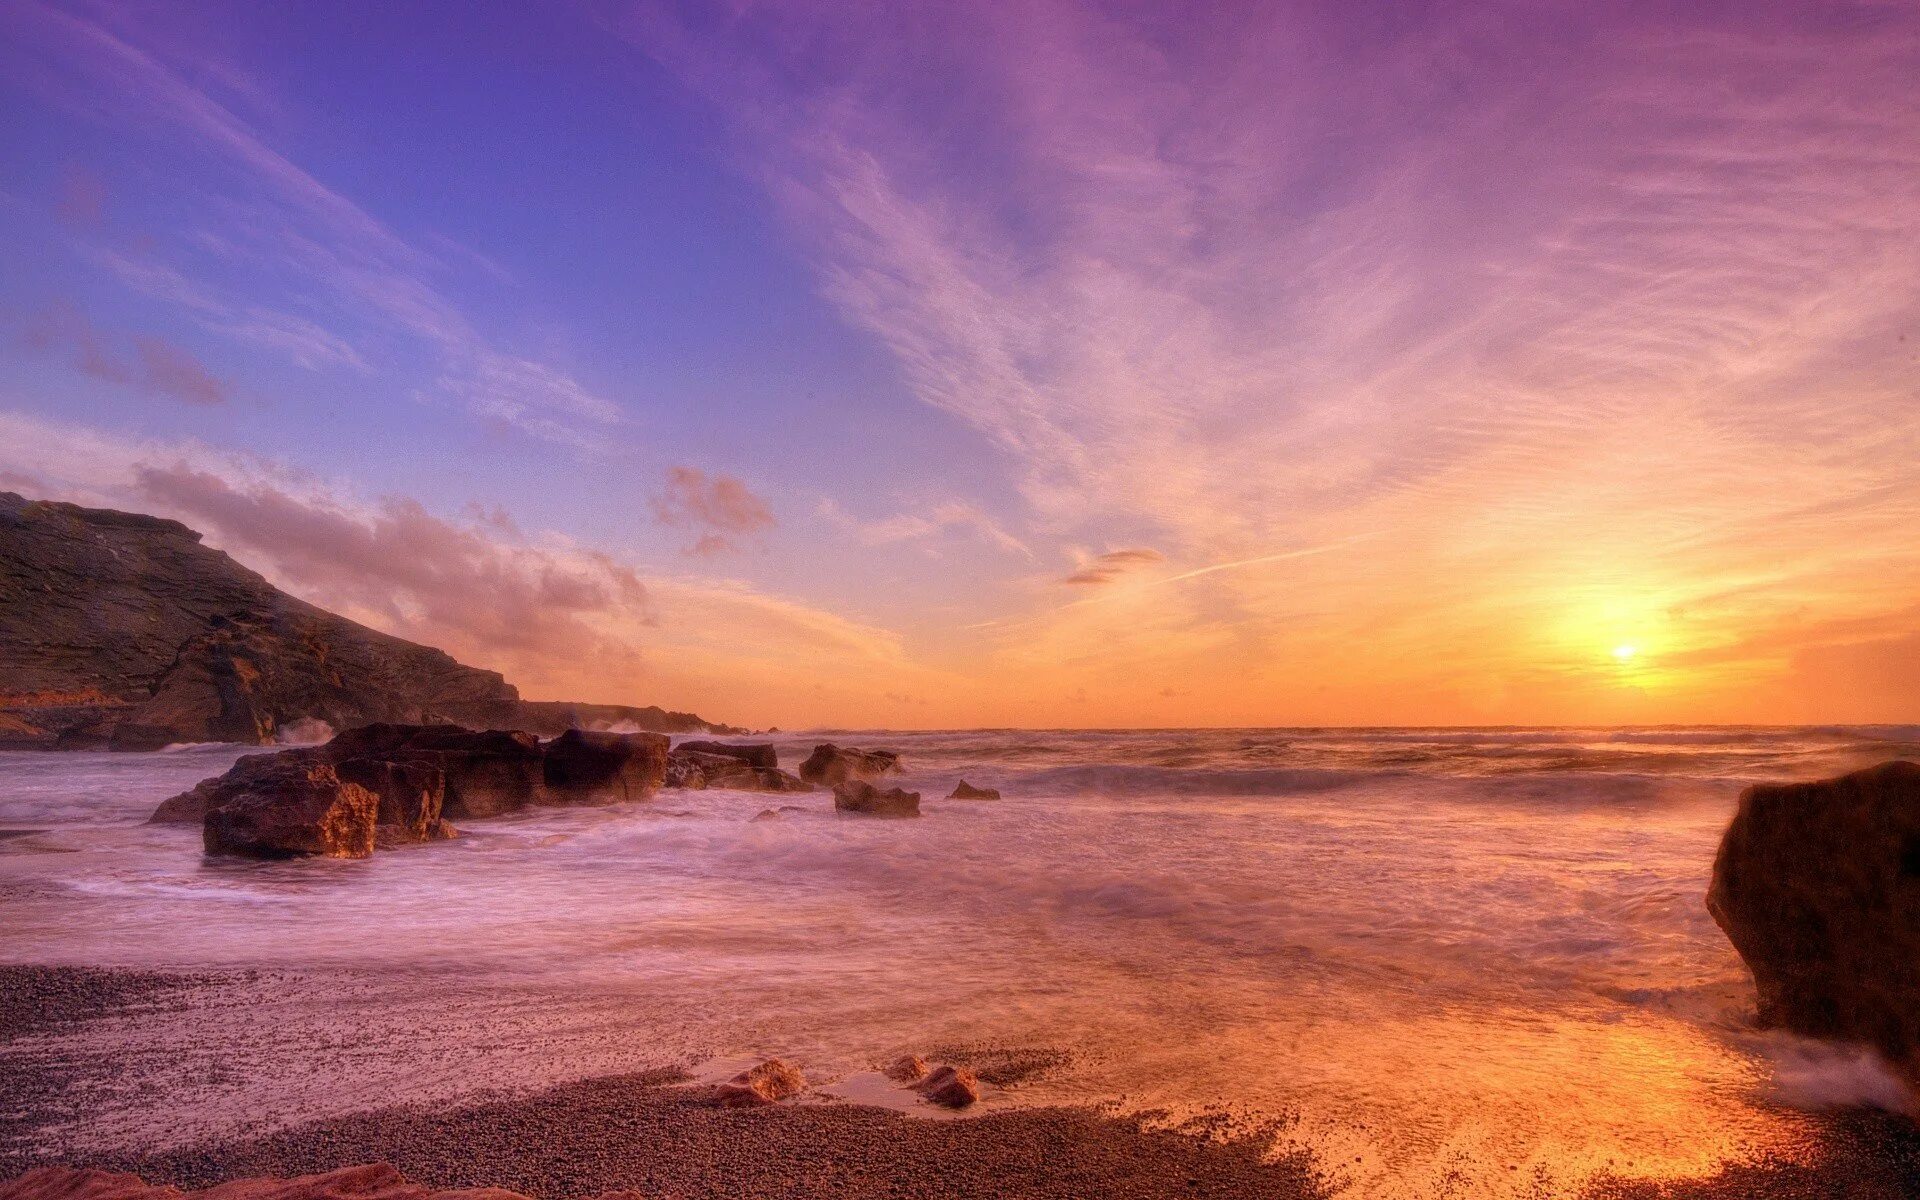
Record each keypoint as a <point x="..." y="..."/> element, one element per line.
<point x="170" y="371"/>
<point x="158" y="367"/>
<point x="1105" y="568"/>
<point x="293" y="235"/>
<point x="420" y="573"/>
<point x="82" y="204"/>
<point x="560" y="619"/>
<point x="720" y="506"/>
<point x="946" y="517"/>
<point x="1566" y="318"/>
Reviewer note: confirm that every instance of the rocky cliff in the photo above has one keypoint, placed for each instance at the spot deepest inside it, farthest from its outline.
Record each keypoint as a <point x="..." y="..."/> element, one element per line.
<point x="121" y="630"/>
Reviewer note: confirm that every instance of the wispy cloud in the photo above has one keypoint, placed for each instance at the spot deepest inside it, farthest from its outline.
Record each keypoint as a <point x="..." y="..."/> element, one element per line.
<point x="948" y="516"/>
<point x="1565" y="313"/>
<point x="287" y="225"/>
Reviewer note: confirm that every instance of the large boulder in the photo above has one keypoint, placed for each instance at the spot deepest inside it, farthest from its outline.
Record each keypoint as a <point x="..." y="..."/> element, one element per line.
<point x="833" y="765"/>
<point x="862" y="798"/>
<point x="604" y="768"/>
<point x="754" y="754"/>
<point x="1817" y="885"/>
<point x="293" y="806"/>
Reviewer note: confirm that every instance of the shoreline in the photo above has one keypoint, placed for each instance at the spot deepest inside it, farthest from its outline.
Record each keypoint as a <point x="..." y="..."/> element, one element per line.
<point x="652" y="1133"/>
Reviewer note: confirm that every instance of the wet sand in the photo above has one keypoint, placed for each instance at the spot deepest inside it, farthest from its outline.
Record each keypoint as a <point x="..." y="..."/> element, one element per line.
<point x="650" y="1133"/>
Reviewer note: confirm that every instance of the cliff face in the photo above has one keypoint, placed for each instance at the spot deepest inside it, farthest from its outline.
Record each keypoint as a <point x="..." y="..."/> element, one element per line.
<point x="121" y="630"/>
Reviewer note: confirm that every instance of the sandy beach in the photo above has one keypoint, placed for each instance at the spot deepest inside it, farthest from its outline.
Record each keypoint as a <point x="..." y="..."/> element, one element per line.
<point x="656" y="1133"/>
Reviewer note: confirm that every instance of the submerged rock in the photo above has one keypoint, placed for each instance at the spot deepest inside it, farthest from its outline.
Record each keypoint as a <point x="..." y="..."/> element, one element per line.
<point x="858" y="796"/>
<point x="834" y="765"/>
<point x="754" y="754"/>
<point x="966" y="791"/>
<point x="1817" y="885"/>
<point x="291" y="807"/>
<point x="767" y="1083"/>
<point x="697" y="769"/>
<point x="950" y="1087"/>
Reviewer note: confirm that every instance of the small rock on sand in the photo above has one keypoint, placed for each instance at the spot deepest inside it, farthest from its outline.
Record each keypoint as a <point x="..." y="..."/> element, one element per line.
<point x="768" y="1083"/>
<point x="907" y="1069"/>
<point x="951" y="1087"/>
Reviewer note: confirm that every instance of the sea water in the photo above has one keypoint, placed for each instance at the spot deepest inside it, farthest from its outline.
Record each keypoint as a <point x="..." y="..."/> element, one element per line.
<point x="1432" y="958"/>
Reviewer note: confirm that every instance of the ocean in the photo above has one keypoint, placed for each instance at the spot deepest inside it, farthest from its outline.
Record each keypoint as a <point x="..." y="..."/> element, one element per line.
<point x="1440" y="961"/>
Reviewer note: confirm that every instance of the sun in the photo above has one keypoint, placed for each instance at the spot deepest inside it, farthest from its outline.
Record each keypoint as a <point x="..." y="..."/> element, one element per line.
<point x="1624" y="653"/>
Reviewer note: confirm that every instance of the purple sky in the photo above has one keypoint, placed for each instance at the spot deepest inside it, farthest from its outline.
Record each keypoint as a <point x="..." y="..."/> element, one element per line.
<point x="1006" y="364"/>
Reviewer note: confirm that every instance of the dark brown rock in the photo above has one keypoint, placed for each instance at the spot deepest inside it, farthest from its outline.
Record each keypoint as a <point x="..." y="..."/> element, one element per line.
<point x="767" y="1083"/>
<point x="487" y="772"/>
<point x="292" y="806"/>
<point x="122" y="630"/>
<point x="604" y="768"/>
<point x="1817" y="885"/>
<point x="950" y="1087"/>
<point x="833" y="765"/>
<point x="966" y="791"/>
<point x="412" y="796"/>
<point x="858" y="796"/>
<point x="754" y="754"/>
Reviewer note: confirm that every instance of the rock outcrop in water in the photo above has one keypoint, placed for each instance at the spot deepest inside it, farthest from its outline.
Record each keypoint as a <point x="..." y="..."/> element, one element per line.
<point x="833" y="765"/>
<point x="121" y="630"/>
<point x="863" y="799"/>
<point x="1818" y="887"/>
<point x="966" y="791"/>
<point x="382" y="786"/>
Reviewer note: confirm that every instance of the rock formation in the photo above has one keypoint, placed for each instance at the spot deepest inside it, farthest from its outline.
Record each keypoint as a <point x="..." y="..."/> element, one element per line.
<point x="1817" y="885"/>
<point x="833" y="765"/>
<point x="381" y="786"/>
<point x="966" y="791"/>
<point x="124" y="631"/>
<point x="858" y="796"/>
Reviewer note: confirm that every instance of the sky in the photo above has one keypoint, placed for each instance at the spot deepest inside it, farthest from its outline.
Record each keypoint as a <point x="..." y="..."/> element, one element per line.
<point x="1030" y="364"/>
